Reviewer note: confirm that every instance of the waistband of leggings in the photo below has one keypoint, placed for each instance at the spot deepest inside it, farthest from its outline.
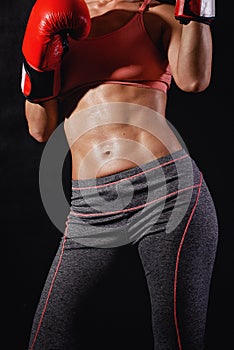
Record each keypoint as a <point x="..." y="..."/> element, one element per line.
<point x="157" y="163"/>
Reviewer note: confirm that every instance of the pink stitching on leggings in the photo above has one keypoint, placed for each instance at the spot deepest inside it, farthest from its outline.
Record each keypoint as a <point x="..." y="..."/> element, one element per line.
<point x="50" y="290"/>
<point x="138" y="206"/>
<point x="132" y="176"/>
<point x="178" y="258"/>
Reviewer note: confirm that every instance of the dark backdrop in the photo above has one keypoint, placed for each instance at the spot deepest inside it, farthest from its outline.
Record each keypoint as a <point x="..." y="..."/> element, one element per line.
<point x="203" y="120"/>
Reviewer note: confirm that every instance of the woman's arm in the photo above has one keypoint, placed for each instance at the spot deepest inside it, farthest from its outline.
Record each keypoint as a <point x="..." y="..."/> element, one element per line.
<point x="42" y="119"/>
<point x="189" y="50"/>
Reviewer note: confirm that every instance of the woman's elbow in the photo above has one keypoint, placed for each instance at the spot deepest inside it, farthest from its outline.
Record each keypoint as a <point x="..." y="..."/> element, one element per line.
<point x="195" y="85"/>
<point x="38" y="135"/>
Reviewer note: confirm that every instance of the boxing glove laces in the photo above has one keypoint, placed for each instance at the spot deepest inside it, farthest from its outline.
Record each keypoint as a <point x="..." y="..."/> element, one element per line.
<point x="46" y="40"/>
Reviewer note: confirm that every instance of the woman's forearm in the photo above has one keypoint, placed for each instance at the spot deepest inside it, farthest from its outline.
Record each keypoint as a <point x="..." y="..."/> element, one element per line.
<point x="194" y="61"/>
<point x="42" y="119"/>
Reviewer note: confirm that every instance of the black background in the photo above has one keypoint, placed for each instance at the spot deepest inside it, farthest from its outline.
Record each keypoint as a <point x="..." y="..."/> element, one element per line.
<point x="29" y="239"/>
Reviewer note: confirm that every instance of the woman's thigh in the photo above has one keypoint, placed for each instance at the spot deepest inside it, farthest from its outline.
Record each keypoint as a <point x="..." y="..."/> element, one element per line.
<point x="178" y="267"/>
<point x="74" y="276"/>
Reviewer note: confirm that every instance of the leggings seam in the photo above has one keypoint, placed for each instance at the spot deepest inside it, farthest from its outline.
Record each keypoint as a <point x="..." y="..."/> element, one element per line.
<point x="50" y="291"/>
<point x="138" y="206"/>
<point x="178" y="259"/>
<point x="132" y="176"/>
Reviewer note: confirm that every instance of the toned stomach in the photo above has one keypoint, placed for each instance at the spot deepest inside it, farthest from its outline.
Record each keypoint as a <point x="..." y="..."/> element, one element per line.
<point x="115" y="127"/>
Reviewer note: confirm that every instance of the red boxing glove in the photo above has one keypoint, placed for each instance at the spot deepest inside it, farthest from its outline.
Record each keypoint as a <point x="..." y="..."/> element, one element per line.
<point x="195" y="10"/>
<point x="50" y="24"/>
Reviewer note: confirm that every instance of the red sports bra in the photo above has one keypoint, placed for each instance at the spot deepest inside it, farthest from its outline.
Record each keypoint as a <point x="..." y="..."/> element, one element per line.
<point x="125" y="56"/>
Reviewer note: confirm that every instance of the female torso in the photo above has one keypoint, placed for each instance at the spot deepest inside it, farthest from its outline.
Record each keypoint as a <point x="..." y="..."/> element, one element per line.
<point x="113" y="127"/>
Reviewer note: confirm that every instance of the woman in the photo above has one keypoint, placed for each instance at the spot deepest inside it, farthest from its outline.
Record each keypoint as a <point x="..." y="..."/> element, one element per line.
<point x="133" y="182"/>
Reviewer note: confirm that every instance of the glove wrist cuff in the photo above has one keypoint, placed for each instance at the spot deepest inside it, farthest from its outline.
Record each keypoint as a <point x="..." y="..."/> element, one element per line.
<point x="38" y="86"/>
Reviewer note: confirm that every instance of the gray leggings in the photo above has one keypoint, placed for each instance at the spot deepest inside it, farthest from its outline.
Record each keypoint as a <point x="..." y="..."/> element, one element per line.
<point x="159" y="216"/>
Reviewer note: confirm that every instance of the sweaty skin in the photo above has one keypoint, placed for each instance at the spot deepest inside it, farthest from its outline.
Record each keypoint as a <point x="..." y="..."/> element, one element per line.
<point x="100" y="147"/>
